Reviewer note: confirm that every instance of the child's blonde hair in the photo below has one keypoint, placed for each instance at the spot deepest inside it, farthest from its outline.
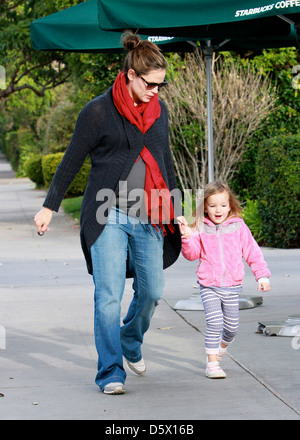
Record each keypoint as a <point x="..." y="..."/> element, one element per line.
<point x="211" y="189"/>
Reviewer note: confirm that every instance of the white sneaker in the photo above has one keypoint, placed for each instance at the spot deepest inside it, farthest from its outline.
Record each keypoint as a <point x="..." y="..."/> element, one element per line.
<point x="214" y="371"/>
<point x="138" y="368"/>
<point x="114" y="388"/>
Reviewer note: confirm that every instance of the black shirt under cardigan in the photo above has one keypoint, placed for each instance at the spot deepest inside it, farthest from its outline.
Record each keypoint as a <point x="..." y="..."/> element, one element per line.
<point x="113" y="145"/>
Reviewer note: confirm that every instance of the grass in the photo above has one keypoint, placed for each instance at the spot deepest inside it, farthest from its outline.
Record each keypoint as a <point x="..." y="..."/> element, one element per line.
<point x="73" y="206"/>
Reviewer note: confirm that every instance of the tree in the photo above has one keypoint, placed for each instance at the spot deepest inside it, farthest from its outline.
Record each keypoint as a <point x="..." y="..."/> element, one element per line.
<point x="277" y="65"/>
<point x="26" y="68"/>
<point x="32" y="91"/>
<point x="241" y="102"/>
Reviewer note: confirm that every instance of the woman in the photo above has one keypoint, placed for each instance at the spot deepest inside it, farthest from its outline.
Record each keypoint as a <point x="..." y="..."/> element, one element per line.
<point x="125" y="133"/>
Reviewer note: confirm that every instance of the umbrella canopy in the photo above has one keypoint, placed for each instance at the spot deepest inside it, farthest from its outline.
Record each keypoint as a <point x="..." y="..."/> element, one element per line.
<point x="235" y="20"/>
<point x="76" y="29"/>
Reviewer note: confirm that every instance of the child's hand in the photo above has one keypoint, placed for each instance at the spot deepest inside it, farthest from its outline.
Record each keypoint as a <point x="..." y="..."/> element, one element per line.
<point x="185" y="230"/>
<point x="264" y="286"/>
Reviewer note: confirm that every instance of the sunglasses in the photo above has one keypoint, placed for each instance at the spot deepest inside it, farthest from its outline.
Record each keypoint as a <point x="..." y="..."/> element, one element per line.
<point x="151" y="86"/>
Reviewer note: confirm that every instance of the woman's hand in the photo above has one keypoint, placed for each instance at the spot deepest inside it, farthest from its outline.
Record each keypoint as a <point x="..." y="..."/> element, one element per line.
<point x="42" y="220"/>
<point x="185" y="230"/>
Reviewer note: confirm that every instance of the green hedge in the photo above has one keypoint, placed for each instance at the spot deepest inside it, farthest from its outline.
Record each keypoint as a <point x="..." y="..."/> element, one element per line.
<point x="50" y="163"/>
<point x="14" y="142"/>
<point x="10" y="148"/>
<point x="278" y="190"/>
<point x="253" y="220"/>
<point x="34" y="170"/>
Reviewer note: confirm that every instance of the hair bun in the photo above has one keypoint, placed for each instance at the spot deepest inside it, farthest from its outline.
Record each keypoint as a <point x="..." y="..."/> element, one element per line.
<point x="130" y="40"/>
<point x="143" y="55"/>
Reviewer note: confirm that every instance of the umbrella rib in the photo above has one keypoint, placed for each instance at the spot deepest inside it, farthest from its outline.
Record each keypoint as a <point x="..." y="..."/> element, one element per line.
<point x="286" y="19"/>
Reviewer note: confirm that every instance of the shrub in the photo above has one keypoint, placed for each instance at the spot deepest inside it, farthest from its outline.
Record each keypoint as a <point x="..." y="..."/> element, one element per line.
<point x="253" y="220"/>
<point x="11" y="148"/>
<point x="278" y="190"/>
<point x="15" y="144"/>
<point x="33" y="168"/>
<point x="50" y="163"/>
<point x="27" y="152"/>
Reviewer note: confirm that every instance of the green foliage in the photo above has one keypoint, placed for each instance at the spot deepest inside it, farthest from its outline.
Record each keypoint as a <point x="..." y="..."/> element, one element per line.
<point x="18" y="116"/>
<point x="277" y="64"/>
<point x="34" y="171"/>
<point x="26" y="151"/>
<point x="18" y="146"/>
<point x="50" y="163"/>
<point x="26" y="68"/>
<point x="56" y="125"/>
<point x="278" y="190"/>
<point x="92" y="74"/>
<point x="73" y="206"/>
<point x="34" y="98"/>
<point x="253" y="220"/>
<point x="10" y="148"/>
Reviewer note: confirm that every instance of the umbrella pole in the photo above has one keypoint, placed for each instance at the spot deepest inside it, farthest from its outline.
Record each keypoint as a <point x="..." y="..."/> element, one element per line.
<point x="208" y="52"/>
<point x="195" y="302"/>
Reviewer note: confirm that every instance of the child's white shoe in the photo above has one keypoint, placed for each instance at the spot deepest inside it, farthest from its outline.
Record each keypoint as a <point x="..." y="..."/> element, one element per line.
<point x="214" y="371"/>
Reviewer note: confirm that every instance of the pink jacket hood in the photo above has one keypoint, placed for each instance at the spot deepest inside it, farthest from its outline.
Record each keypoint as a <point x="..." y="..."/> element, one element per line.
<point x="221" y="250"/>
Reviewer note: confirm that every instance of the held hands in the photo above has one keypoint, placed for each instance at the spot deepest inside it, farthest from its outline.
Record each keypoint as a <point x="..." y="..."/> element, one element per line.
<point x="42" y="220"/>
<point x="185" y="230"/>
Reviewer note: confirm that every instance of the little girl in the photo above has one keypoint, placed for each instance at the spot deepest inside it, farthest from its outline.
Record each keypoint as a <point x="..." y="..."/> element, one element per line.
<point x="220" y="240"/>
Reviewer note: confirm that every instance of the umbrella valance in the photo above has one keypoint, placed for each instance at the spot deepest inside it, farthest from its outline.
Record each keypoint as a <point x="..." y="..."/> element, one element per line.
<point x="76" y="29"/>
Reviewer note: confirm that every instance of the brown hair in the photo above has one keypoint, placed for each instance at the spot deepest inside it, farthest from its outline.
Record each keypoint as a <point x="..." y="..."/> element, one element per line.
<point x="143" y="55"/>
<point x="209" y="190"/>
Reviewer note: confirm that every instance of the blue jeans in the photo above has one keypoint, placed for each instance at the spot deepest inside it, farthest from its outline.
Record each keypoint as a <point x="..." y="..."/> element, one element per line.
<point x="124" y="238"/>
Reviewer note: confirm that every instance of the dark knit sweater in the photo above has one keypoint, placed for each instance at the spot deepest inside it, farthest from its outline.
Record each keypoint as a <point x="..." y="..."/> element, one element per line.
<point x="113" y="145"/>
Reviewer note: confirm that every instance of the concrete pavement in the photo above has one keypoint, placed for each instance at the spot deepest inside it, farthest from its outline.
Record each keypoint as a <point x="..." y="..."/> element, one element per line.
<point x="48" y="366"/>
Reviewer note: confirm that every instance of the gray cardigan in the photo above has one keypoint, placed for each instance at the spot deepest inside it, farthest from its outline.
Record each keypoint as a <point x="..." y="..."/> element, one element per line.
<point x="113" y="145"/>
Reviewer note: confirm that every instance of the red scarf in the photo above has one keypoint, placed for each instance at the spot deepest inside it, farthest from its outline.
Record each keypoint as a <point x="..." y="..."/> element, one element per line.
<point x="159" y="207"/>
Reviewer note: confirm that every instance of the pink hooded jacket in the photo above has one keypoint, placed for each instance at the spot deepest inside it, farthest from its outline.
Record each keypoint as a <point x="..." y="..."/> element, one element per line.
<point x="220" y="249"/>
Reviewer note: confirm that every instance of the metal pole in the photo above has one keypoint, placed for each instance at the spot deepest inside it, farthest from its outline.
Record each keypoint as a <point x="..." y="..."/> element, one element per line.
<point x="210" y="135"/>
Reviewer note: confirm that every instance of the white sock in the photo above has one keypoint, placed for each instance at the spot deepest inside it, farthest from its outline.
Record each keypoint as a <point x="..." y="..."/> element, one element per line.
<point x="222" y="349"/>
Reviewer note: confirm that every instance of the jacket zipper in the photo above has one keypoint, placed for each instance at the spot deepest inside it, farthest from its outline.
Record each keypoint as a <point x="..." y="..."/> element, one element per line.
<point x="219" y="235"/>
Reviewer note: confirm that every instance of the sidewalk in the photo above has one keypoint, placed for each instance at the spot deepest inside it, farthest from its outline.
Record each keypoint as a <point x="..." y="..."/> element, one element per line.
<point x="46" y="308"/>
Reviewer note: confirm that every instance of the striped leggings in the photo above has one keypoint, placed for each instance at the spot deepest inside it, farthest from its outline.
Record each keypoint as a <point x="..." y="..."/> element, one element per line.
<point x="221" y="308"/>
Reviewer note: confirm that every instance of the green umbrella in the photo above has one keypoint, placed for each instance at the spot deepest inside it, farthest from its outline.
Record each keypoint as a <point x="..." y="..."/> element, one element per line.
<point x="76" y="29"/>
<point x="217" y="24"/>
<point x="200" y="18"/>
